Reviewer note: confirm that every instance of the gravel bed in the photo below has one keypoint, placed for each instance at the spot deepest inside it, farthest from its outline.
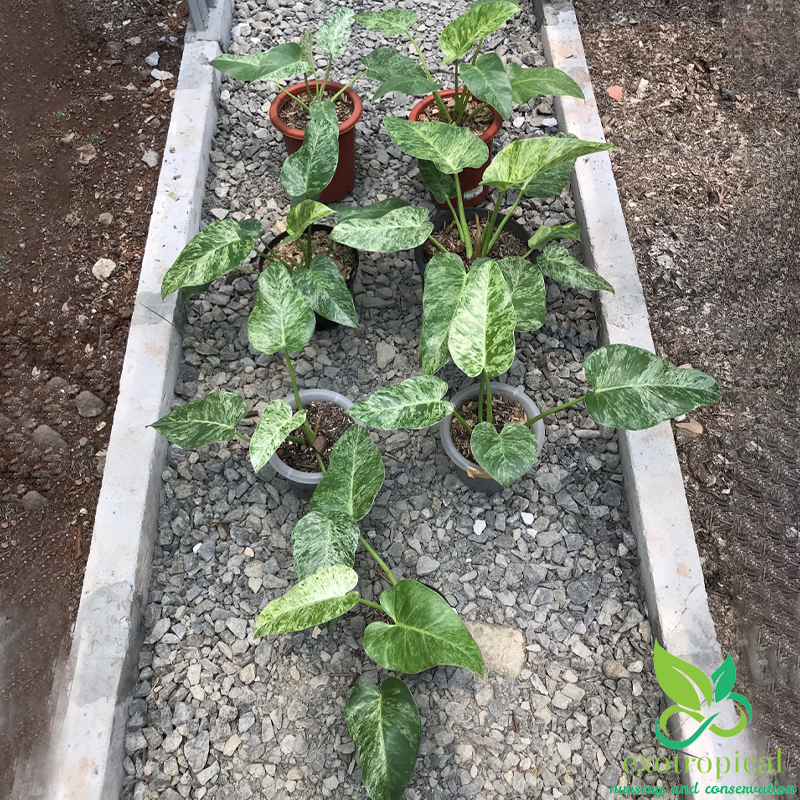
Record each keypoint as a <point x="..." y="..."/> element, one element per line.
<point x="218" y="714"/>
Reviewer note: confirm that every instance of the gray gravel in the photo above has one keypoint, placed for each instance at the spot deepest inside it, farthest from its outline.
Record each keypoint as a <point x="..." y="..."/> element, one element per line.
<point x="218" y="714"/>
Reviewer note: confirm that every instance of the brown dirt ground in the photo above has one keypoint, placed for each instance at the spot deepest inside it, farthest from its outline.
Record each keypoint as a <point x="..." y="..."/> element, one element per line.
<point x="709" y="182"/>
<point x="69" y="78"/>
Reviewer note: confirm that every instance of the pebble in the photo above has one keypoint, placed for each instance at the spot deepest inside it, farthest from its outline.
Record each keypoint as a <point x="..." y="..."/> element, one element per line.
<point x="89" y="405"/>
<point x="45" y="436"/>
<point x="103" y="268"/>
<point x="33" y="501"/>
<point x="151" y="158"/>
<point x="426" y="565"/>
<point x="152" y="59"/>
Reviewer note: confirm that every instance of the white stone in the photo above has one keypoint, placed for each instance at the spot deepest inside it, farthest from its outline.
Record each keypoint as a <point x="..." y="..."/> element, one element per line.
<point x="152" y="59"/>
<point x="103" y="268"/>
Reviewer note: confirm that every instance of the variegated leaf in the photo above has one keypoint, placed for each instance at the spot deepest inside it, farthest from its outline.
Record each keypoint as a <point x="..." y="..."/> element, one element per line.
<point x="414" y="403"/>
<point x="399" y="229"/>
<point x="482" y="331"/>
<point x="507" y="455"/>
<point x="394" y="22"/>
<point x="634" y="389"/>
<point x="551" y="182"/>
<point x="441" y="186"/>
<point x="386" y="729"/>
<point x="322" y="540"/>
<point x="397" y="73"/>
<point x="488" y="81"/>
<point x="559" y="264"/>
<point x="458" y="37"/>
<point x="546" y="233"/>
<point x="324" y="287"/>
<point x="445" y="279"/>
<point x="374" y="211"/>
<point x="527" y="82"/>
<point x="280" y="63"/>
<point x="210" y="419"/>
<point x="335" y="32"/>
<point x="303" y="215"/>
<point x="307" y="49"/>
<point x="281" y="318"/>
<point x="527" y="292"/>
<point x="276" y="422"/>
<point x="318" y="598"/>
<point x="217" y="249"/>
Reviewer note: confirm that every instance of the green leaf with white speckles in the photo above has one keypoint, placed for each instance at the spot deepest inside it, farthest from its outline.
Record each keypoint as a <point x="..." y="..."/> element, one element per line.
<point x="507" y="455"/>
<point x="634" y="389"/>
<point x="551" y="182"/>
<point x="459" y="36"/>
<point x="398" y="229"/>
<point x="307" y="49"/>
<point x="322" y="540"/>
<point x="394" y="22"/>
<point x="217" y="249"/>
<point x="527" y="82"/>
<point x="303" y="215"/>
<point x="397" y="73"/>
<point x="488" y="81"/>
<point x="210" y="419"/>
<point x="324" y="287"/>
<point x="440" y="185"/>
<point x="280" y="63"/>
<point x="528" y="292"/>
<point x="414" y="403"/>
<point x="559" y="264"/>
<point x="374" y="211"/>
<point x="276" y="422"/>
<point x="546" y="233"/>
<point x="335" y="32"/>
<point x="386" y="729"/>
<point x="445" y="279"/>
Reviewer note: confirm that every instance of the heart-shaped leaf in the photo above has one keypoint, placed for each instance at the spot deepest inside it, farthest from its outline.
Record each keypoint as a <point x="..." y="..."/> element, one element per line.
<point x="386" y="729"/>
<point x="278" y="64"/>
<point x="308" y="171"/>
<point x="527" y="292"/>
<point x="217" y="249"/>
<point x="445" y="279"/>
<point x="551" y="182"/>
<point x="458" y="37"/>
<point x="507" y="455"/>
<point x="427" y="633"/>
<point x="527" y="82"/>
<point x="488" y="81"/>
<point x="335" y="32"/>
<point x="546" y="233"/>
<point x="307" y="49"/>
<point x="324" y="287"/>
<point x="399" y="229"/>
<point x="281" y="317"/>
<point x="318" y="598"/>
<point x="559" y="264"/>
<point x="303" y="215"/>
<point x="414" y="403"/>
<point x="322" y="540"/>
<point x="397" y="73"/>
<point x="394" y="22"/>
<point x="482" y="332"/>
<point x="450" y="148"/>
<point x="724" y="677"/>
<point x="210" y="419"/>
<point x="354" y="476"/>
<point x="440" y="185"/>
<point x="375" y="211"/>
<point x="634" y="389"/>
<point x="276" y="423"/>
<point x="681" y="681"/>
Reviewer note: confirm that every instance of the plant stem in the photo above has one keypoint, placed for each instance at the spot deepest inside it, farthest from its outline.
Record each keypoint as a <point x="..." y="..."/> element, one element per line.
<point x="321" y="86"/>
<point x="309" y="434"/>
<point x="438" y="244"/>
<point x="554" y="410"/>
<point x="381" y="563"/>
<point x="308" y="88"/>
<point x="503" y="223"/>
<point x="461" y="419"/>
<point x="370" y="604"/>
<point x="296" y="99"/>
<point x="488" y="386"/>
<point x="465" y="228"/>
<point x="294" y="265"/>
<point x="295" y="439"/>
<point x="461" y="232"/>
<point x="242" y="436"/>
<point x="308" y="247"/>
<point x="488" y="229"/>
<point x="480" y="400"/>
<point x="348" y="84"/>
<point x="443" y="112"/>
<point x="473" y="113"/>
<point x="477" y="49"/>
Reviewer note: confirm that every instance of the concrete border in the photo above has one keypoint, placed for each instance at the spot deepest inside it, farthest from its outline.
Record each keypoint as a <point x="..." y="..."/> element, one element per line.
<point x="676" y="598"/>
<point x="86" y="746"/>
<point x="218" y="26"/>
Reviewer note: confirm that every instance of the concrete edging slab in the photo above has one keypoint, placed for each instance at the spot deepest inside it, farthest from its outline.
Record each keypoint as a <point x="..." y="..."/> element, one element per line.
<point x="86" y="746"/>
<point x="676" y="598"/>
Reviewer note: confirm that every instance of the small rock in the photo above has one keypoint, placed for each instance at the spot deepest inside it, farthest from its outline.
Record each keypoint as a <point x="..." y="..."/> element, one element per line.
<point x="205" y="549"/>
<point x="89" y="405"/>
<point x="385" y="354"/>
<point x="172" y="742"/>
<point x="33" y="501"/>
<point x="196" y="751"/>
<point x="426" y="565"/>
<point x="151" y="158"/>
<point x="161" y="75"/>
<point x="105" y="218"/>
<point x="248" y="674"/>
<point x="238" y="627"/>
<point x="103" y="268"/>
<point x="614" y="670"/>
<point x="152" y="61"/>
<point x="548" y="482"/>
<point x="478" y="527"/>
<point x="527" y="517"/>
<point x="86" y="153"/>
<point x="507" y="598"/>
<point x="241" y="30"/>
<point x="219" y="213"/>
<point x="231" y="745"/>
<point x="45" y="436"/>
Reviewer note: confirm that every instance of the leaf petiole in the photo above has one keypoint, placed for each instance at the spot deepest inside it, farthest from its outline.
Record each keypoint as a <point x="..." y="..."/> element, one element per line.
<point x="381" y="563"/>
<point x="554" y="410"/>
<point x="370" y="604"/>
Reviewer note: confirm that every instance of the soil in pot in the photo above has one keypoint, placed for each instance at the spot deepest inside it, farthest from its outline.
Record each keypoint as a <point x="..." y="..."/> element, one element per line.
<point x="295" y="116"/>
<point x="343" y="256"/>
<point x="329" y="422"/>
<point x="507" y="244"/>
<point x="479" y="124"/>
<point x="503" y="412"/>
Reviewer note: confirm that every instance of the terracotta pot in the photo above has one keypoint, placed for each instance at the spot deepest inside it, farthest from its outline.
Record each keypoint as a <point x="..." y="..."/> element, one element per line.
<point x="345" y="176"/>
<point x="474" y="194"/>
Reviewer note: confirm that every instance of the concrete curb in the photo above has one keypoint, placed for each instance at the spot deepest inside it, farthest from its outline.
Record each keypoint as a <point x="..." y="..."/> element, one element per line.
<point x="676" y="598"/>
<point x="86" y="748"/>
<point x="218" y="26"/>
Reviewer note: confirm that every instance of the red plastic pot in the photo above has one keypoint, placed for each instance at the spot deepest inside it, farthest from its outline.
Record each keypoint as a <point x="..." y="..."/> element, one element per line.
<point x="474" y="194"/>
<point x="345" y="176"/>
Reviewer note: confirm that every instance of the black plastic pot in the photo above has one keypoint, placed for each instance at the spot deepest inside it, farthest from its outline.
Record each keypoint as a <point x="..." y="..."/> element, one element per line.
<point x="322" y="323"/>
<point x="442" y="218"/>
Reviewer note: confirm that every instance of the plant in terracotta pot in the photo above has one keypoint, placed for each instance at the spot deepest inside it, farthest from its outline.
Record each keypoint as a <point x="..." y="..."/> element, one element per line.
<point x="291" y="112"/>
<point x="483" y="89"/>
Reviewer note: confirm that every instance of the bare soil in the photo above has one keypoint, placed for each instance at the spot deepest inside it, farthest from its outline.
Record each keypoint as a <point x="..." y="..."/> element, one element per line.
<point x="479" y="124"/>
<point x="297" y="116"/>
<point x="503" y="412"/>
<point x="507" y="243"/>
<point x="76" y="116"/>
<point x="329" y="422"/>
<point x="709" y="133"/>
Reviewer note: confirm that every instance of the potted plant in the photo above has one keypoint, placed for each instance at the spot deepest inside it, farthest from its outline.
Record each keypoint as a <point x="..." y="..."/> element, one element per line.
<point x="483" y="90"/>
<point x="290" y="113"/>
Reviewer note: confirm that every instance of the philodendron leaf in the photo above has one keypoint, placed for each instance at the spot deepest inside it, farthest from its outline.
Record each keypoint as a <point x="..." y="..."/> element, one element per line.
<point x="187" y="292"/>
<point x="394" y="22"/>
<point x="303" y="215"/>
<point x="335" y="32"/>
<point x="399" y="229"/>
<point x="481" y="2"/>
<point x="210" y="419"/>
<point x="528" y="292"/>
<point x="414" y="403"/>
<point x="318" y="598"/>
<point x="217" y="249"/>
<point x="488" y="81"/>
<point x="724" y="677"/>
<point x="354" y="476"/>
<point x="634" y="389"/>
<point x="397" y="73"/>
<point x="324" y="287"/>
<point x="551" y="182"/>
<point x="278" y="64"/>
<point x="375" y="211"/>
<point x="308" y="171"/>
<point x="507" y="455"/>
<point x="520" y="162"/>
<point x="440" y="185"/>
<point x="482" y="331"/>
<point x="276" y="423"/>
<point x="527" y="82"/>
<point x="445" y="279"/>
<point x="559" y="264"/>
<point x="307" y="49"/>
<point x="450" y="148"/>
<point x="281" y="317"/>
<point x="427" y="633"/>
<point x="322" y="540"/>
<point x="458" y="37"/>
<point x="681" y="681"/>
<point x="546" y="233"/>
<point x="386" y="729"/>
